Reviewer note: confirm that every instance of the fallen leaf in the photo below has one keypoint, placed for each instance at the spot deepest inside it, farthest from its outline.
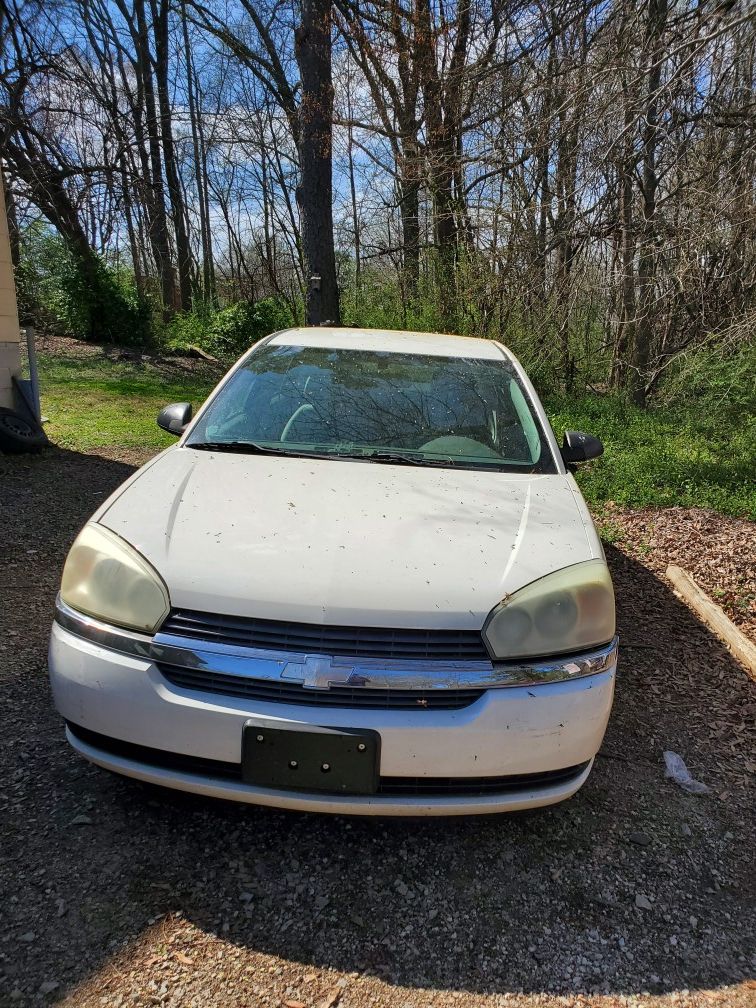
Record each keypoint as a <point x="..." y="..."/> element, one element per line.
<point x="331" y="998"/>
<point x="182" y="958"/>
<point x="294" y="1004"/>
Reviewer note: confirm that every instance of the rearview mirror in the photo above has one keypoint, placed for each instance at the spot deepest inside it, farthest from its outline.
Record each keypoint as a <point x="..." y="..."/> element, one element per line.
<point x="175" y="418"/>
<point x="579" y="447"/>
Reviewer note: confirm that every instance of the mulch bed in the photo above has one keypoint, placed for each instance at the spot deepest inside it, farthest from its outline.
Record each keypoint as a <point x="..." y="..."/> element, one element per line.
<point x="718" y="551"/>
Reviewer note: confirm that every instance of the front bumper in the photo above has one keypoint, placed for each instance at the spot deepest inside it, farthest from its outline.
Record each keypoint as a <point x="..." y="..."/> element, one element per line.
<point x="508" y="732"/>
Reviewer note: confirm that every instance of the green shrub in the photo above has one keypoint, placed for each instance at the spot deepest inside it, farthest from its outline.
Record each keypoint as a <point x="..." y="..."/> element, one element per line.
<point x="42" y="278"/>
<point x="111" y="311"/>
<point x="103" y="307"/>
<point x="228" y="332"/>
<point x="234" y="329"/>
<point x="187" y="329"/>
<point x="719" y="376"/>
<point x="378" y="304"/>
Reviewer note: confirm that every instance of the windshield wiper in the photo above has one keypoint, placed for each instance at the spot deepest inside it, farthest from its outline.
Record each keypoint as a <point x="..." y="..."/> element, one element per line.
<point x="248" y="448"/>
<point x="254" y="448"/>
<point x="399" y="458"/>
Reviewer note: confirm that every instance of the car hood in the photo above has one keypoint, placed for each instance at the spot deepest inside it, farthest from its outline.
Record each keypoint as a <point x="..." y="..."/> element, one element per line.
<point x="347" y="542"/>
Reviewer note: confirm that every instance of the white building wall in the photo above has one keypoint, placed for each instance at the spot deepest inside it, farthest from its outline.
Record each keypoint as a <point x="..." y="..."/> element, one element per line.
<point x="10" y="357"/>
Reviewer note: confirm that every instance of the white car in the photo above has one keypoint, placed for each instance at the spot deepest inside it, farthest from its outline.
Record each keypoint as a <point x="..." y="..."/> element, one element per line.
<point x="364" y="580"/>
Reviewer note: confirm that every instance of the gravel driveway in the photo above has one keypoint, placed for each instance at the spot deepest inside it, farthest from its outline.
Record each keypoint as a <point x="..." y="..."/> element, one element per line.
<point x="634" y="892"/>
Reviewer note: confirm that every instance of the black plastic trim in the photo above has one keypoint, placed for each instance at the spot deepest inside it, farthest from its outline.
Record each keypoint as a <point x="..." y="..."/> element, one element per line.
<point x="311" y="638"/>
<point x="388" y="786"/>
<point x="359" y="697"/>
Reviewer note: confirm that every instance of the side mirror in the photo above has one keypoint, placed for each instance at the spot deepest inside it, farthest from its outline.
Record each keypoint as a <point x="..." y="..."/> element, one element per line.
<point x="175" y="418"/>
<point x="579" y="447"/>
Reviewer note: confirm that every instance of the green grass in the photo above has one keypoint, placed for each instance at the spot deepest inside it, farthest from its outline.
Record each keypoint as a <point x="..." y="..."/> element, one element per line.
<point x="655" y="458"/>
<point x="95" y="402"/>
<point x="659" y="458"/>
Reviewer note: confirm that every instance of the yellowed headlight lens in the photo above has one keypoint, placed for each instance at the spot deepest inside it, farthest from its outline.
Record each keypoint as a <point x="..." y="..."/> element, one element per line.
<point x="106" y="578"/>
<point x="569" y="610"/>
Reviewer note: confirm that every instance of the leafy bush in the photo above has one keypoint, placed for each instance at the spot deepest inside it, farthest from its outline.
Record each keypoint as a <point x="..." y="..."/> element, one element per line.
<point x="237" y="327"/>
<point x="43" y="275"/>
<point x="229" y="331"/>
<point x="232" y="330"/>
<point x="719" y="375"/>
<point x="187" y="329"/>
<point x="378" y="304"/>
<point x="111" y="311"/>
<point x="53" y="292"/>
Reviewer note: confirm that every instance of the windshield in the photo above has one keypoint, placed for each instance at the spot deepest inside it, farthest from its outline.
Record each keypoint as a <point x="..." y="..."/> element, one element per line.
<point x="392" y="407"/>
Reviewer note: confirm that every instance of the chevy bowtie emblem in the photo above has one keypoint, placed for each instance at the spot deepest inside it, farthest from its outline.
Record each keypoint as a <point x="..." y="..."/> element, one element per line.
<point x="317" y="672"/>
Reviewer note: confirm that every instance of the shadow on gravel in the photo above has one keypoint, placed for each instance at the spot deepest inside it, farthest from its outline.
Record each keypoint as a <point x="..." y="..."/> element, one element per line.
<point x="544" y="902"/>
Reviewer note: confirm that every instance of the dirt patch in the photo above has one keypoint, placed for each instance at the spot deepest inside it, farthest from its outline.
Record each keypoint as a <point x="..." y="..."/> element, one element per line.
<point x="172" y="365"/>
<point x="632" y="893"/>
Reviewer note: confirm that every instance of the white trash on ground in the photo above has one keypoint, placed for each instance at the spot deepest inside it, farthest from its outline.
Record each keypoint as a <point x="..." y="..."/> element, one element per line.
<point x="680" y="774"/>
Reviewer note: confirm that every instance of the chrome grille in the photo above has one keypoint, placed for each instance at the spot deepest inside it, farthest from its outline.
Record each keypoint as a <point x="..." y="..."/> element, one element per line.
<point x="311" y="638"/>
<point x="274" y="691"/>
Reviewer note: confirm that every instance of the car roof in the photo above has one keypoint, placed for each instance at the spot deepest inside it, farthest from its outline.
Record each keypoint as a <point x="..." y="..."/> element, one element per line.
<point x="389" y="340"/>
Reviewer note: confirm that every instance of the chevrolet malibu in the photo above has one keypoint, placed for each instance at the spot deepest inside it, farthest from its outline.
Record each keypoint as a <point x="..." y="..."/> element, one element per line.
<point x="363" y="580"/>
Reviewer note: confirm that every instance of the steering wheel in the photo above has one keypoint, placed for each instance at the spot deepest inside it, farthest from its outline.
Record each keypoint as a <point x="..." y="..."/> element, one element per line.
<point x="304" y="408"/>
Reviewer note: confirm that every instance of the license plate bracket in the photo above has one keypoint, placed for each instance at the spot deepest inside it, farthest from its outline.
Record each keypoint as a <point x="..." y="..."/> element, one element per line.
<point x="293" y="759"/>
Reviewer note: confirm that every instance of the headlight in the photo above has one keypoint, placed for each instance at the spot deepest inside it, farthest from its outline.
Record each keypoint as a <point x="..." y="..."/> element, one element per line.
<point x="106" y="578"/>
<point x="569" y="610"/>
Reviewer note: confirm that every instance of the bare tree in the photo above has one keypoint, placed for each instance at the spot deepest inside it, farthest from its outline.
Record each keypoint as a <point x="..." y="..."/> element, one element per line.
<point x="315" y="189"/>
<point x="578" y="179"/>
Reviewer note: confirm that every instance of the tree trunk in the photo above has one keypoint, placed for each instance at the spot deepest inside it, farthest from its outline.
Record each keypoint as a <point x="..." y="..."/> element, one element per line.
<point x="175" y="194"/>
<point x="314" y="192"/>
<point x="625" y="339"/>
<point x="158" y="218"/>
<point x="441" y="148"/>
<point x="410" y="182"/>
<point x="198" y="149"/>
<point x="12" y="219"/>
<point x="131" y="230"/>
<point x="47" y="190"/>
<point x="644" y="329"/>
<point x="353" y="193"/>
